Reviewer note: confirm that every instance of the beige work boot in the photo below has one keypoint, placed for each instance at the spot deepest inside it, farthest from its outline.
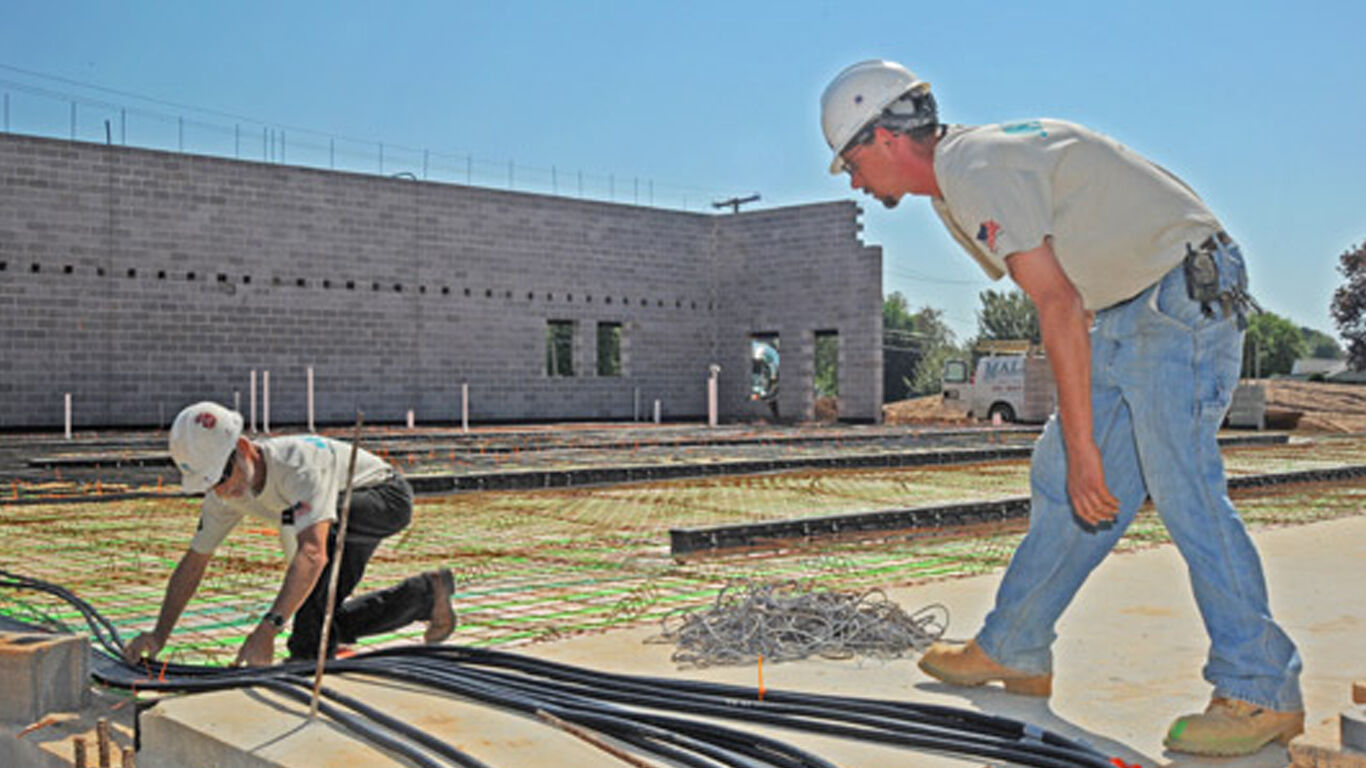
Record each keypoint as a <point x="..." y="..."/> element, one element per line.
<point x="1232" y="727"/>
<point x="441" y="623"/>
<point x="970" y="665"/>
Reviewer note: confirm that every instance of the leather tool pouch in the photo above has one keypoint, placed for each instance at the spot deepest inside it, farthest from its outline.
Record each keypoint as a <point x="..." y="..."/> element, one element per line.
<point x="1215" y="274"/>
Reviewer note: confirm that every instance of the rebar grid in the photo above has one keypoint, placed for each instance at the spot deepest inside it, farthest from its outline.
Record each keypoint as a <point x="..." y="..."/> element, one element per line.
<point x="539" y="565"/>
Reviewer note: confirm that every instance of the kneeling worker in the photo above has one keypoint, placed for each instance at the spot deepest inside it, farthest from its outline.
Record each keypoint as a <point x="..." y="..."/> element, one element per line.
<point x="296" y="483"/>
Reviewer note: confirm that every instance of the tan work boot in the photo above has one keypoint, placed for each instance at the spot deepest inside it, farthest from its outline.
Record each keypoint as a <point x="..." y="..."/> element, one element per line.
<point x="970" y="665"/>
<point x="1232" y="727"/>
<point x="441" y="623"/>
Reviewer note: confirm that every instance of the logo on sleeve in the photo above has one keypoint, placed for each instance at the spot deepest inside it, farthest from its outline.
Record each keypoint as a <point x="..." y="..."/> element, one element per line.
<point x="206" y="420"/>
<point x="987" y="234"/>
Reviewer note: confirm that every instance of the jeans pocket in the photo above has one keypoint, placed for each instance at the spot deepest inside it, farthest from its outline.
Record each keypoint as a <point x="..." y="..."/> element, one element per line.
<point x="1219" y="361"/>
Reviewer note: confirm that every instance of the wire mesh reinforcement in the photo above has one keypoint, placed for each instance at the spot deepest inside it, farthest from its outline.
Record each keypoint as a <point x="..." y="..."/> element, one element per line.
<point x="785" y="622"/>
<point x="538" y="566"/>
<point x="658" y="717"/>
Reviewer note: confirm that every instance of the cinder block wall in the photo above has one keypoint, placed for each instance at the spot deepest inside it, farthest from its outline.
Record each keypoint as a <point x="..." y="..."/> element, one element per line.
<point x="140" y="281"/>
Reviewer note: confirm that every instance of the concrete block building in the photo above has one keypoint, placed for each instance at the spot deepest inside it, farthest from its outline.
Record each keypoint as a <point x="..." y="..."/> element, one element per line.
<point x="139" y="281"/>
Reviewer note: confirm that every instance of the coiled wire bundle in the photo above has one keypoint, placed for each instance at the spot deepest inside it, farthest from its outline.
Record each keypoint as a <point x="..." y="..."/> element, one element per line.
<point x="785" y="621"/>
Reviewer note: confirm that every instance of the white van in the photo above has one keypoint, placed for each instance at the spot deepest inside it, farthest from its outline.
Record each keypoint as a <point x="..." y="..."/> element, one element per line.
<point x="1011" y="387"/>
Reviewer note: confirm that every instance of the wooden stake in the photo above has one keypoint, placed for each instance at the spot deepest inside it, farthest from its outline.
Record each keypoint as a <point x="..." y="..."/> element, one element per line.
<point x="102" y="741"/>
<point x="336" y="570"/>
<point x="78" y="747"/>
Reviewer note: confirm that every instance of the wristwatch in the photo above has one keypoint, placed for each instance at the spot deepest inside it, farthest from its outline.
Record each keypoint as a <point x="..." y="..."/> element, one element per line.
<point x="274" y="619"/>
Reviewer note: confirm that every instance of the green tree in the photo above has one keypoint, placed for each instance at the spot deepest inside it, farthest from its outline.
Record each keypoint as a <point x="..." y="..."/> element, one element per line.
<point x="1272" y="346"/>
<point x="1007" y="315"/>
<point x="937" y="344"/>
<point x="896" y="314"/>
<point x="928" y="378"/>
<point x="1349" y="305"/>
<point x="1320" y="344"/>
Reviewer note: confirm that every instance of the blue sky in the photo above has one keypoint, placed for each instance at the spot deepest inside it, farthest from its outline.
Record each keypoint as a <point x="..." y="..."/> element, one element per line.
<point x="1258" y="105"/>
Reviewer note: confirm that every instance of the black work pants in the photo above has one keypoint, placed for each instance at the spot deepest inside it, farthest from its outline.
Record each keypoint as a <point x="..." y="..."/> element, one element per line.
<point x="377" y="512"/>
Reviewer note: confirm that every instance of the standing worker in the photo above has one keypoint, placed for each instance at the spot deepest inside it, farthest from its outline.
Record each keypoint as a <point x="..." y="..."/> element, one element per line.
<point x="1085" y="225"/>
<point x="296" y="483"/>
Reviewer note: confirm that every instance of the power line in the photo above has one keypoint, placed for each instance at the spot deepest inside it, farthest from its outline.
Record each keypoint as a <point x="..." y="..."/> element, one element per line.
<point x="48" y="93"/>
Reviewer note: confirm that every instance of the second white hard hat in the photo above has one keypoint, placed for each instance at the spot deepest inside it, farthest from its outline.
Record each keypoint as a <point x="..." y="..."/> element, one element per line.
<point x="857" y="96"/>
<point x="202" y="437"/>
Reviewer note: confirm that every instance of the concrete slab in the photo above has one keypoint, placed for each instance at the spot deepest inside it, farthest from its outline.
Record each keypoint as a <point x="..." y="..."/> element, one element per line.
<point x="48" y="742"/>
<point x="1129" y="655"/>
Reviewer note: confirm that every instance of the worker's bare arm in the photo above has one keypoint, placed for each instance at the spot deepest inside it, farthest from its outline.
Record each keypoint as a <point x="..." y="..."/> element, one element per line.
<point x="303" y="573"/>
<point x="1063" y="321"/>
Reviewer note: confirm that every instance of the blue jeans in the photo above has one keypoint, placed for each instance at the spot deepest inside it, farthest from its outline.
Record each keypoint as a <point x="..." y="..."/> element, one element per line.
<point x="1162" y="376"/>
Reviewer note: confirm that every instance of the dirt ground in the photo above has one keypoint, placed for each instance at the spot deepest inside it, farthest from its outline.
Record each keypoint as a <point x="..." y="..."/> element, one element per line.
<point x="1324" y="407"/>
<point x="1309" y="406"/>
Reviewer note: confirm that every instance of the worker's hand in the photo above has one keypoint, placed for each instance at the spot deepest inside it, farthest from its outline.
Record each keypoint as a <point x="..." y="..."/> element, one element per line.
<point x="259" y="648"/>
<point x="145" y="645"/>
<point x="1091" y="499"/>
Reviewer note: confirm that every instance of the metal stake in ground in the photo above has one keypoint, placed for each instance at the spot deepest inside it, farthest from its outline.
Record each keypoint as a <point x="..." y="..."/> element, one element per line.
<point x="336" y="563"/>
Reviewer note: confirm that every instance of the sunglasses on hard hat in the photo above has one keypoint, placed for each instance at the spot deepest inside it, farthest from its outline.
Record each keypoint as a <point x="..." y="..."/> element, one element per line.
<point x="227" y="468"/>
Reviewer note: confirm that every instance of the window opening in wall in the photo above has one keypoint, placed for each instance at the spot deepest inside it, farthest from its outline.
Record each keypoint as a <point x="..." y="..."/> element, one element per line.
<point x="327" y="284"/>
<point x="569" y="297"/>
<point x="189" y="276"/>
<point x="4" y="265"/>
<point x="67" y="269"/>
<point x="559" y="347"/>
<point x="827" y="380"/>
<point x="445" y="290"/>
<point x="302" y="283"/>
<point x="350" y="285"/>
<point x="99" y="271"/>
<point x="35" y="268"/>
<point x="246" y="279"/>
<point x="161" y="274"/>
<point x="467" y="292"/>
<point x="374" y="286"/>
<point x="422" y="289"/>
<point x="507" y="294"/>
<point x="488" y="293"/>
<point x="132" y="272"/>
<point x="608" y="299"/>
<point x="222" y="278"/>
<point x="763" y="370"/>
<point x="530" y="295"/>
<point x="398" y="288"/>
<point x="609" y="349"/>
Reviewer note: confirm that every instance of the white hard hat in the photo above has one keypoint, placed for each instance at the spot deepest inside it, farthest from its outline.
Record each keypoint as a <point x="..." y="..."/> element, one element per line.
<point x="202" y="438"/>
<point x="857" y="96"/>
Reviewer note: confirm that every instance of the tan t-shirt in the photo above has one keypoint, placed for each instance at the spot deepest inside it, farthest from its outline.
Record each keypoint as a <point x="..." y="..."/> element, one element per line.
<point x="305" y="477"/>
<point x="1117" y="220"/>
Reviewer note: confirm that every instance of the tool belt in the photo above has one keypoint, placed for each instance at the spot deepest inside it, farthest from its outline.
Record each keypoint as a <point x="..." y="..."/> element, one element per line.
<point x="1215" y="275"/>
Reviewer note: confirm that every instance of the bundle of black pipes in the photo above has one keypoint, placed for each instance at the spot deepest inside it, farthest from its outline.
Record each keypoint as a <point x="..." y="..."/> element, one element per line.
<point x="654" y="716"/>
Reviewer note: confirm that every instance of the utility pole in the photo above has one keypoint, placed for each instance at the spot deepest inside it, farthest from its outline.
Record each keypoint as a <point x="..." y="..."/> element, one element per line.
<point x="735" y="202"/>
